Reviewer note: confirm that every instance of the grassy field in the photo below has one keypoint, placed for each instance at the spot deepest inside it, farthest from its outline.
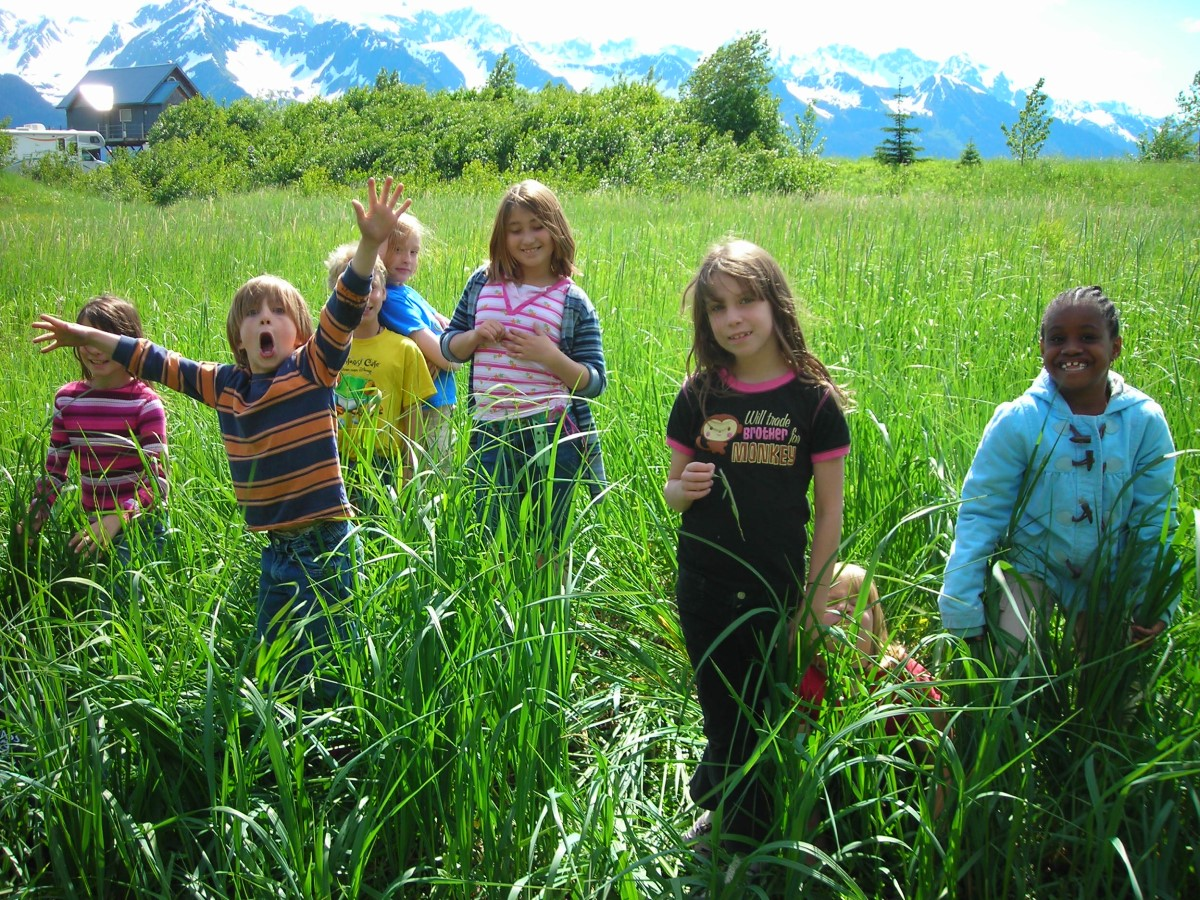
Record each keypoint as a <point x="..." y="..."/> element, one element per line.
<point x="514" y="737"/>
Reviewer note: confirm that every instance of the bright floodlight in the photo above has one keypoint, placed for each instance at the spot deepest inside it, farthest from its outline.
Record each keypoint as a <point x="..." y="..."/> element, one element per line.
<point x="98" y="96"/>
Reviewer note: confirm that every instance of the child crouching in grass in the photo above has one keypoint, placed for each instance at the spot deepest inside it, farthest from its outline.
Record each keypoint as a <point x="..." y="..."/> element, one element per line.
<point x="278" y="421"/>
<point x="859" y="659"/>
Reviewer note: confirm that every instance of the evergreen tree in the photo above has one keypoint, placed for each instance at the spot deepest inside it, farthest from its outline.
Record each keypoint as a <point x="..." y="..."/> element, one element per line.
<point x="1189" y="109"/>
<point x="898" y="148"/>
<point x="1029" y="133"/>
<point x="729" y="92"/>
<point x="970" y="155"/>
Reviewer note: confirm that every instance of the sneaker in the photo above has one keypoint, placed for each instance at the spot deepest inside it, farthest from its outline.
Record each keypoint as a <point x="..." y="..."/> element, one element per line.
<point x="740" y="870"/>
<point x="698" y="836"/>
<point x="700" y="829"/>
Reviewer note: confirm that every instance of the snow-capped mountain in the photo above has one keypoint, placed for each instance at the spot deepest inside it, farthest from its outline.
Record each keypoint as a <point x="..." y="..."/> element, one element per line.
<point x="230" y="51"/>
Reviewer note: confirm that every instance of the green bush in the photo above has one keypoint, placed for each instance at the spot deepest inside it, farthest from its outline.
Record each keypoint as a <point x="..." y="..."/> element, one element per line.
<point x="626" y="135"/>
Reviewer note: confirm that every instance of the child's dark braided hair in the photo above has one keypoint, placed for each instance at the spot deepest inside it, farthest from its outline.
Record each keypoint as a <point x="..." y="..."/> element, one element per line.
<point x="1078" y="296"/>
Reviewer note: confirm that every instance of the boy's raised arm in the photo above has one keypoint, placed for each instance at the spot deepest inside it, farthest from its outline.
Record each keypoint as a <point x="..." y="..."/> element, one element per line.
<point x="376" y="223"/>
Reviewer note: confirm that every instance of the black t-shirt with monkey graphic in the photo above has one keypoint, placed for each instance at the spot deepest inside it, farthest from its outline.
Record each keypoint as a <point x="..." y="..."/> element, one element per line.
<point x="764" y="439"/>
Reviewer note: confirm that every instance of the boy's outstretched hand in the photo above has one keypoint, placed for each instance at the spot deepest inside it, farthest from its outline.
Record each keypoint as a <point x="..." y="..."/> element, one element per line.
<point x="377" y="221"/>
<point x="58" y="333"/>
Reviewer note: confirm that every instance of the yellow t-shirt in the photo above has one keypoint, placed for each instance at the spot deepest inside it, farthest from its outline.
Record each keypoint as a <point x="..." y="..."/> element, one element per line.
<point x="383" y="377"/>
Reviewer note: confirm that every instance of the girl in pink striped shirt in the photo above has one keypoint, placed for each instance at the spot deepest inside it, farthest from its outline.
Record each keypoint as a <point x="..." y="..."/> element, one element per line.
<point x="116" y="427"/>
<point x="532" y="338"/>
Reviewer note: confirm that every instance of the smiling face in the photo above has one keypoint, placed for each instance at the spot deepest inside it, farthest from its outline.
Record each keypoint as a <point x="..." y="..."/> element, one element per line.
<point x="1077" y="351"/>
<point x="531" y="244"/>
<point x="743" y="326"/>
<point x="101" y="371"/>
<point x="369" y="326"/>
<point x="116" y="316"/>
<point x="401" y="258"/>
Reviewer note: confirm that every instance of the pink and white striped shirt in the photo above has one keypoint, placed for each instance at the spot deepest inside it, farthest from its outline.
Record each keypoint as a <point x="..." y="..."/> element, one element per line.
<point x="118" y="435"/>
<point x="516" y="389"/>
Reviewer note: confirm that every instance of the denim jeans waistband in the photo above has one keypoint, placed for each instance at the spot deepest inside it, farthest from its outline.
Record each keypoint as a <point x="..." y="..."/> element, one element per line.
<point x="321" y="536"/>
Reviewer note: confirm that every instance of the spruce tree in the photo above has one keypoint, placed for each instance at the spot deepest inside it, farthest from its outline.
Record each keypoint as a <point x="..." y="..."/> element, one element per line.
<point x="898" y="148"/>
<point x="970" y="155"/>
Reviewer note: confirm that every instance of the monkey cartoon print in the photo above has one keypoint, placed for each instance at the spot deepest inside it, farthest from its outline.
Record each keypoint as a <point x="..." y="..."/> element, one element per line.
<point x="716" y="432"/>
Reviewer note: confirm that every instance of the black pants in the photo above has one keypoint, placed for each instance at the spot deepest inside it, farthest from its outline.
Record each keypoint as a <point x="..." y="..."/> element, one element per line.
<point x="736" y="636"/>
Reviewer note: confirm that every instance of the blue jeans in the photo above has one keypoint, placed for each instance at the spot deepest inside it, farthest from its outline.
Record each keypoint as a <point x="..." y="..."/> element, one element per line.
<point x="525" y="472"/>
<point x="305" y="585"/>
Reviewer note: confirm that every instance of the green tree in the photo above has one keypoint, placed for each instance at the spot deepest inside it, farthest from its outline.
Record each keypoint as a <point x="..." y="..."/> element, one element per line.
<point x="898" y="148"/>
<point x="1189" y="109"/>
<point x="387" y="78"/>
<point x="970" y="155"/>
<point x="729" y="92"/>
<point x="1027" y="135"/>
<point x="502" y="80"/>
<point x="807" y="136"/>
<point x="1171" y="140"/>
<point x="6" y="140"/>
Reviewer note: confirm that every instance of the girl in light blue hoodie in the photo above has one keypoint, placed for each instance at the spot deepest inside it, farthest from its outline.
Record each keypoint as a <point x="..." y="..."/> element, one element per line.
<point x="1068" y="478"/>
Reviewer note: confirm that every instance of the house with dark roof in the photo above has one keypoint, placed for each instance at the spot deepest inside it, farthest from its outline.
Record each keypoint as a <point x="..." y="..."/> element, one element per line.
<point x="123" y="104"/>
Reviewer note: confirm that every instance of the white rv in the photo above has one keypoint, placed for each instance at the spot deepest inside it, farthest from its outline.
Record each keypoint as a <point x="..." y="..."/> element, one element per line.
<point x="33" y="141"/>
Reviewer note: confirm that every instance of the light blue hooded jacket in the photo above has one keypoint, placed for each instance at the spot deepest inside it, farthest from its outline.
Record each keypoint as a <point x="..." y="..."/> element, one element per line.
<point x="1073" y="474"/>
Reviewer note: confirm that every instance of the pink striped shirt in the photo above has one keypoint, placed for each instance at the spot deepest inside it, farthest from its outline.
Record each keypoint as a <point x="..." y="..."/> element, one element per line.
<point x="515" y="389"/>
<point x="119" y="437"/>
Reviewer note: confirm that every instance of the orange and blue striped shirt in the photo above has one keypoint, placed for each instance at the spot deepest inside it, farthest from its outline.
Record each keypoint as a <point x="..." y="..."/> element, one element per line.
<point x="279" y="428"/>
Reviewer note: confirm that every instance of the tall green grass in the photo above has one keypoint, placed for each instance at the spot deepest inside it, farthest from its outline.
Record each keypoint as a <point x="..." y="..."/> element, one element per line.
<point x="516" y="731"/>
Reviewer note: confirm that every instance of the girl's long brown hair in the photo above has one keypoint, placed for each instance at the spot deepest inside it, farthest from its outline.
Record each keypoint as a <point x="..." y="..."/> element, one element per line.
<point x="755" y="270"/>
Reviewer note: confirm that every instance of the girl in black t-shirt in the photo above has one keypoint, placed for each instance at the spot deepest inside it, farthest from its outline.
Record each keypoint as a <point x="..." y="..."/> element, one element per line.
<point x="758" y="421"/>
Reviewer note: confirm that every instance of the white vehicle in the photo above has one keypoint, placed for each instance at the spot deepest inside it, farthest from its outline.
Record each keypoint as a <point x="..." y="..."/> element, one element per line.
<point x="33" y="141"/>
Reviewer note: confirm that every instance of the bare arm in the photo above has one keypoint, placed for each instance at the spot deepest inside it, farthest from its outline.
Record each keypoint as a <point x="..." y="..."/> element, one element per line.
<point x="828" y="501"/>
<point x="687" y="481"/>
<point x="431" y="349"/>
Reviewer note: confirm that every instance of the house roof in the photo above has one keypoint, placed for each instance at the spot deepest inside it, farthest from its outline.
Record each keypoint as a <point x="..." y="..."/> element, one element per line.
<point x="133" y="85"/>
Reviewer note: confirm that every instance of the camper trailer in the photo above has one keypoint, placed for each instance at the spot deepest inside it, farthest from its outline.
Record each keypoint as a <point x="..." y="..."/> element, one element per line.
<point x="32" y="141"/>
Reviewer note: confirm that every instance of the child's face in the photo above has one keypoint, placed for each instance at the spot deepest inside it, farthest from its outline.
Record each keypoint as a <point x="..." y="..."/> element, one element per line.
<point x="103" y="372"/>
<point x="268" y="335"/>
<point x="530" y="243"/>
<point x="370" y="314"/>
<point x="1077" y="352"/>
<point x="741" y="323"/>
<point x="839" y="613"/>
<point x="401" y="259"/>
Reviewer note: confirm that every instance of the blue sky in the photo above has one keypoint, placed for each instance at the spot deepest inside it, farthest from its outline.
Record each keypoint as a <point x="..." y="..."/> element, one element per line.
<point x="1141" y="52"/>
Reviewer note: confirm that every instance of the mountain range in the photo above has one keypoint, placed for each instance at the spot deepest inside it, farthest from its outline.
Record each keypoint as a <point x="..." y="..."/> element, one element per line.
<point x="230" y="51"/>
